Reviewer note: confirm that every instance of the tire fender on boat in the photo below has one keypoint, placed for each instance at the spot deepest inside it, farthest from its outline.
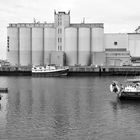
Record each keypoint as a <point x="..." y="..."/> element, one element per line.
<point x="114" y="89"/>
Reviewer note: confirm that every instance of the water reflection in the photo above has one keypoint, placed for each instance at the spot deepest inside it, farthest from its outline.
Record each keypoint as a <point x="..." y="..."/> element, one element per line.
<point x="76" y="105"/>
<point x="61" y="117"/>
<point x="3" y="113"/>
<point x="129" y="105"/>
<point x="66" y="108"/>
<point x="127" y="114"/>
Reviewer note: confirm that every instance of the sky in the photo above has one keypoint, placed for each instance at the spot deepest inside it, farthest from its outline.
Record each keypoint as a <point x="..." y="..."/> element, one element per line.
<point x="118" y="16"/>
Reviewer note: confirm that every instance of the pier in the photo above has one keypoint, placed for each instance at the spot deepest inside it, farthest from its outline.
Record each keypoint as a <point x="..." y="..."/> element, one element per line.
<point x="77" y="71"/>
<point x="104" y="70"/>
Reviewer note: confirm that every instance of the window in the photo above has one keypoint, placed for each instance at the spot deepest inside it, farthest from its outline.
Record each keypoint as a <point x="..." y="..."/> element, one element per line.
<point x="8" y="42"/>
<point x="59" y="30"/>
<point x="115" y="43"/>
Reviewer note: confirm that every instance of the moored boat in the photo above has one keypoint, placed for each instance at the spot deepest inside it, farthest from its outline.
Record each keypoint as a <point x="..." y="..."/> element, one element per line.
<point x="130" y="90"/>
<point x="49" y="71"/>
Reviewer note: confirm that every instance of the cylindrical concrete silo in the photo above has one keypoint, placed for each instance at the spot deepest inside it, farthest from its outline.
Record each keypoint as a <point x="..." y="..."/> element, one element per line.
<point x="49" y="44"/>
<point x="84" y="46"/>
<point x="71" y="45"/>
<point x="25" y="46"/>
<point x="97" y="39"/>
<point x="37" y="46"/>
<point x="13" y="45"/>
<point x="97" y="47"/>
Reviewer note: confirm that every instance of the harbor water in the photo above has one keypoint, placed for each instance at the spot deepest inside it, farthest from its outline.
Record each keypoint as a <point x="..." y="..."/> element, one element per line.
<point x="66" y="108"/>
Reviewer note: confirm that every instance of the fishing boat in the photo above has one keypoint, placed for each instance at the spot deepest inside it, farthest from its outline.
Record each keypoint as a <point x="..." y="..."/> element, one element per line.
<point x="49" y="71"/>
<point x="129" y="90"/>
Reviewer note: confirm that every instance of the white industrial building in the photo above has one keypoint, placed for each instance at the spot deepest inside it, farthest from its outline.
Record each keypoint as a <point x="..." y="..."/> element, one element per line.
<point x="63" y="43"/>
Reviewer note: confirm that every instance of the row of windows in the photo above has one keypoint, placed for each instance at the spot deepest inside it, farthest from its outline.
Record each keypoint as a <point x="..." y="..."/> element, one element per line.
<point x="59" y="23"/>
<point x="59" y="39"/>
<point x="118" y="54"/>
<point x="59" y="48"/>
<point x="8" y="42"/>
<point x="59" y="31"/>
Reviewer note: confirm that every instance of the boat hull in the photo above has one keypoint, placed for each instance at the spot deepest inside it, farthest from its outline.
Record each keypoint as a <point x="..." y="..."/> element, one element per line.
<point x="129" y="95"/>
<point x="51" y="73"/>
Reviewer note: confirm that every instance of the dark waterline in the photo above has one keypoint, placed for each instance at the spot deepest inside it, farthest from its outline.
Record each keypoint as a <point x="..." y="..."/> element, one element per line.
<point x="67" y="108"/>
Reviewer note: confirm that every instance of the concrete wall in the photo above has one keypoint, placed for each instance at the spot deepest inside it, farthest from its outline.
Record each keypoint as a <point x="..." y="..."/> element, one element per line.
<point x="98" y="58"/>
<point x="25" y="46"/>
<point x="117" y="58"/>
<point x="84" y="46"/>
<point x="57" y="58"/>
<point x="97" y="40"/>
<point x="13" y="45"/>
<point x="134" y="44"/>
<point x="37" y="46"/>
<point x="118" y="61"/>
<point x="71" y="43"/>
<point x="115" y="40"/>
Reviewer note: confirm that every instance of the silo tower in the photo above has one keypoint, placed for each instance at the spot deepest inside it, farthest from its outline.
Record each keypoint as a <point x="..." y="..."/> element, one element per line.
<point x="61" y="20"/>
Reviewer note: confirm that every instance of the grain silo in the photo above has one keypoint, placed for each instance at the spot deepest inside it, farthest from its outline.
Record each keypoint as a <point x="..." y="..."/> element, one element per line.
<point x="37" y="46"/>
<point x="97" y="47"/>
<point x="71" y="45"/>
<point x="49" y="44"/>
<point x="84" y="46"/>
<point x="25" y="46"/>
<point x="13" y="45"/>
<point x="97" y="39"/>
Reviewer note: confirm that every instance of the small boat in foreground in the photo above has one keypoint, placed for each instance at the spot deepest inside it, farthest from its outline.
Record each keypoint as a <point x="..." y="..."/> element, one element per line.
<point x="49" y="71"/>
<point x="130" y="90"/>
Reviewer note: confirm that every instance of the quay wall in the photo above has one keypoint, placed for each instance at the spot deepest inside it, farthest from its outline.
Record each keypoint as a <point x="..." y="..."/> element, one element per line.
<point x="104" y="71"/>
<point x="77" y="71"/>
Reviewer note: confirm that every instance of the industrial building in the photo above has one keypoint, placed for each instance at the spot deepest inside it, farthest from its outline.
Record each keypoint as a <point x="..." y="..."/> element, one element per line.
<point x="63" y="43"/>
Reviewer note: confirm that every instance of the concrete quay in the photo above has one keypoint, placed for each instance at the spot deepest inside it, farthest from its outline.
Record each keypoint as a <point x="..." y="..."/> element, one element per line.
<point x="77" y="71"/>
<point x="104" y="70"/>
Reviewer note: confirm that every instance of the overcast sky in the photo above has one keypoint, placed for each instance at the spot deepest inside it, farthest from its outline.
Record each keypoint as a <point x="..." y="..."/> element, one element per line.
<point x="118" y="16"/>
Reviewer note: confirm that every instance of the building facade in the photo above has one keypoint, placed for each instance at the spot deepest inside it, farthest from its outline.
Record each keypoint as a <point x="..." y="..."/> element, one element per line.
<point x="63" y="43"/>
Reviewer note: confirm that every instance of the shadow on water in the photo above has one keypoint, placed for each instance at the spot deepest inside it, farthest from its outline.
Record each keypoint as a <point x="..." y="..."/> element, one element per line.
<point x="129" y="105"/>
